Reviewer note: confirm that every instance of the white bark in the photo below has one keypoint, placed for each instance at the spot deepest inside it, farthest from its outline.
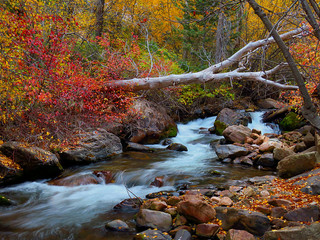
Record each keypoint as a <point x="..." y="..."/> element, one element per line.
<point x="213" y="73"/>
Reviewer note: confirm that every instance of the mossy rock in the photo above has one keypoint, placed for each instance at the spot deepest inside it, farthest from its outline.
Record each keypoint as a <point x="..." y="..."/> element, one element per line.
<point x="291" y="121"/>
<point x="4" y="201"/>
<point x="171" y="132"/>
<point x="219" y="127"/>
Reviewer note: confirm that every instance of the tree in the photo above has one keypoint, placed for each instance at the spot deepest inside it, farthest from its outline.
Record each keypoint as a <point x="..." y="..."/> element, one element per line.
<point x="308" y="110"/>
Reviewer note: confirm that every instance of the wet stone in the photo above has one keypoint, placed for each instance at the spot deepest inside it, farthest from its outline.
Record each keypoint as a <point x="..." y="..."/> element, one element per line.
<point x="117" y="225"/>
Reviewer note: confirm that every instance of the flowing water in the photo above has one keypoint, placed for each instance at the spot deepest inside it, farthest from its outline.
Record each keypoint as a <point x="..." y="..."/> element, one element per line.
<point x="44" y="211"/>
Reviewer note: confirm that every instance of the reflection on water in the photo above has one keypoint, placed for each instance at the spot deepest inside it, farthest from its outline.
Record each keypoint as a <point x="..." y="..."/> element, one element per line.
<point x="55" y="212"/>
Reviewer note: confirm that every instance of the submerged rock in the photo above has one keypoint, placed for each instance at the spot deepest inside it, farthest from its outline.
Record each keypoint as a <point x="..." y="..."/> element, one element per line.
<point x="138" y="147"/>
<point x="117" y="225"/>
<point x="177" y="147"/>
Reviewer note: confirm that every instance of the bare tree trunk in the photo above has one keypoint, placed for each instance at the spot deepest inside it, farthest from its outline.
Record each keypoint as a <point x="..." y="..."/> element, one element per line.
<point x="308" y="110"/>
<point x="214" y="73"/>
<point x="99" y="17"/>
<point x="310" y="18"/>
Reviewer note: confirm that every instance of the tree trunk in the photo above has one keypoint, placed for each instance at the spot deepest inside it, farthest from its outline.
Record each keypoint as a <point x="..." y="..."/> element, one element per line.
<point x="99" y="17"/>
<point x="214" y="73"/>
<point x="308" y="110"/>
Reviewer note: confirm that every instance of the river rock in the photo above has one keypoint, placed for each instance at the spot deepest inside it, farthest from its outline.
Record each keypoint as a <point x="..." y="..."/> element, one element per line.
<point x="149" y="123"/>
<point x="5" y="201"/>
<point x="10" y="172"/>
<point x="266" y="160"/>
<point x="75" y="180"/>
<point x="280" y="153"/>
<point x="158" y="182"/>
<point x="177" y="147"/>
<point x="93" y="146"/>
<point x="311" y="232"/>
<point x="151" y="235"/>
<point x="309" y="140"/>
<point x="117" y="225"/>
<point x="291" y="121"/>
<point x="278" y="202"/>
<point x="207" y="230"/>
<point x="234" y="234"/>
<point x="305" y="214"/>
<point x="278" y="212"/>
<point x="228" y="117"/>
<point x="196" y="210"/>
<point x="131" y="146"/>
<point x="296" y="164"/>
<point x="253" y="222"/>
<point x="312" y="185"/>
<point x="183" y="234"/>
<point x="236" y="134"/>
<point x="269" y="103"/>
<point x="104" y="175"/>
<point x="129" y="205"/>
<point x="230" y="151"/>
<point x="154" y="219"/>
<point x="275" y="114"/>
<point x="35" y="162"/>
<point x="154" y="204"/>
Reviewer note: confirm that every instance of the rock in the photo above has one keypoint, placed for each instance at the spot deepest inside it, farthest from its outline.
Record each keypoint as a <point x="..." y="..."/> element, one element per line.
<point x="129" y="205"/>
<point x="177" y="147"/>
<point x="166" y="142"/>
<point x="280" y="153"/>
<point x="248" y="192"/>
<point x="149" y="123"/>
<point x="300" y="147"/>
<point x="253" y="222"/>
<point x="5" y="201"/>
<point x="228" y="117"/>
<point x="154" y="204"/>
<point x="236" y="134"/>
<point x="117" y="225"/>
<point x="292" y="137"/>
<point x="278" y="212"/>
<point x="173" y="201"/>
<point x="264" y="193"/>
<point x="269" y="103"/>
<point x="311" y="232"/>
<point x="154" y="219"/>
<point x="172" y="211"/>
<point x="234" y="234"/>
<point x="269" y="146"/>
<point x="75" y="180"/>
<point x="151" y="235"/>
<point x="312" y="185"/>
<point x="256" y="131"/>
<point x="158" y="182"/>
<point x="35" y="162"/>
<point x="159" y="194"/>
<point x="225" y="201"/>
<point x="94" y="146"/>
<point x="266" y="160"/>
<point x="305" y="214"/>
<point x="280" y="202"/>
<point x="183" y="234"/>
<point x="291" y="121"/>
<point x="180" y="221"/>
<point x="196" y="210"/>
<point x="105" y="176"/>
<point x="207" y="230"/>
<point x="309" y="140"/>
<point x="10" y="172"/>
<point x="230" y="151"/>
<point x="264" y="210"/>
<point x="296" y="164"/>
<point x="131" y="146"/>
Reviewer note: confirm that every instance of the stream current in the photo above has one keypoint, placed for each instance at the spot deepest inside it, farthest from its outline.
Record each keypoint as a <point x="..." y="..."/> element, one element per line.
<point x="44" y="211"/>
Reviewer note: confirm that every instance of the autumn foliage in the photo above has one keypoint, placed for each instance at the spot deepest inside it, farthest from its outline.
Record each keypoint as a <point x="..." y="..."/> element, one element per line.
<point x="51" y="85"/>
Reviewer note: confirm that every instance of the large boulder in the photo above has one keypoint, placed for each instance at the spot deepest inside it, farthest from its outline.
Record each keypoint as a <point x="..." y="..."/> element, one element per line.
<point x="230" y="151"/>
<point x="154" y="219"/>
<point x="10" y="172"/>
<point x="253" y="222"/>
<point x="236" y="134"/>
<point x="268" y="103"/>
<point x="304" y="214"/>
<point x="228" y="117"/>
<point x="35" y="162"/>
<point x="311" y="232"/>
<point x="93" y="146"/>
<point x="295" y="164"/>
<point x="196" y="210"/>
<point x="149" y="123"/>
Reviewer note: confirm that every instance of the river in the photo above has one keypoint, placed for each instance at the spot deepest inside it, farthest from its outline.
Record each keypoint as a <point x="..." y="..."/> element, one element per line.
<point x="44" y="211"/>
